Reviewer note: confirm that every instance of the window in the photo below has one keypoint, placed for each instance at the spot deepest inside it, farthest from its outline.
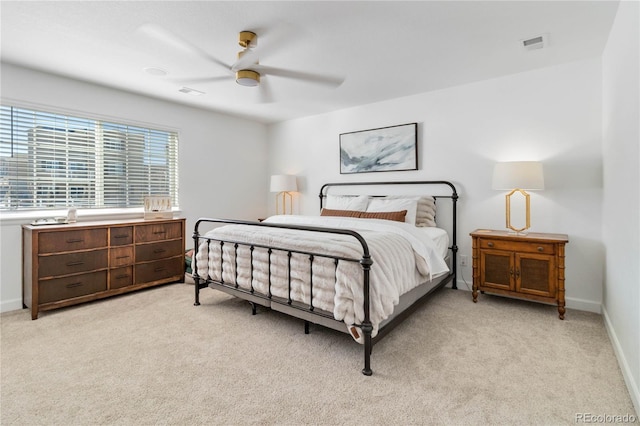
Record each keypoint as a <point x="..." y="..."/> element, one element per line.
<point x="52" y="161"/>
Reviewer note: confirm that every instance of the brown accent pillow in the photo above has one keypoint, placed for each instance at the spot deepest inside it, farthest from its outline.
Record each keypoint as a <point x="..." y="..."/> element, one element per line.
<point x="345" y="213"/>
<point x="397" y="216"/>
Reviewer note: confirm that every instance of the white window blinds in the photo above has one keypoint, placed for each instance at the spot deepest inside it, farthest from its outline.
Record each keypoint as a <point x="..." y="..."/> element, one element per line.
<point x="50" y="161"/>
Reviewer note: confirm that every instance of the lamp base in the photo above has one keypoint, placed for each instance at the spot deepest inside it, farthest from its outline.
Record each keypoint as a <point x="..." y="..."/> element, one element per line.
<point x="283" y="196"/>
<point x="523" y="232"/>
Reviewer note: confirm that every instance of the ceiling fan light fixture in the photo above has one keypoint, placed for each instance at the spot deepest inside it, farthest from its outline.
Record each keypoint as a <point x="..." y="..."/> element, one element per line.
<point x="247" y="78"/>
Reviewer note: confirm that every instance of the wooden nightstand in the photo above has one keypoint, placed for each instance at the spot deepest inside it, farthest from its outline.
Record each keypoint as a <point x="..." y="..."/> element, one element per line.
<point x="524" y="266"/>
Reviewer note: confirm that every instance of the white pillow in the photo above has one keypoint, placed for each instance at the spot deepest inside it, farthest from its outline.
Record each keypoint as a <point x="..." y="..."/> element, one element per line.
<point x="384" y="204"/>
<point x="347" y="202"/>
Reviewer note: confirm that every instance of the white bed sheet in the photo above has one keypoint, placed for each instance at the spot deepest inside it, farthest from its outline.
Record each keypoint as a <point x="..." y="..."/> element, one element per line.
<point x="440" y="238"/>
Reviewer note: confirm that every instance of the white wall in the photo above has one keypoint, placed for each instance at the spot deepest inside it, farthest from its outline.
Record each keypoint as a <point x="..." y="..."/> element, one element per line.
<point x="552" y="115"/>
<point x="221" y="158"/>
<point x="621" y="207"/>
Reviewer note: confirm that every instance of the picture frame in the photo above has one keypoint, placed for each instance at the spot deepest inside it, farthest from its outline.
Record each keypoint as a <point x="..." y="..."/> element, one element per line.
<point x="385" y="149"/>
<point x="157" y="207"/>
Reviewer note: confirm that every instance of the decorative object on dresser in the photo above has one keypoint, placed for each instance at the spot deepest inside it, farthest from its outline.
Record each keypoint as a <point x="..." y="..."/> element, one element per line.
<point x="64" y="265"/>
<point x="392" y="148"/>
<point x="522" y="266"/>
<point x="157" y="207"/>
<point x="284" y="185"/>
<point x="516" y="176"/>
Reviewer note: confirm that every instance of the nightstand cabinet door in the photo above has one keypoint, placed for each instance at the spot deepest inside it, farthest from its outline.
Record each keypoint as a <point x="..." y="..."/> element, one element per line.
<point x="535" y="274"/>
<point x="497" y="269"/>
<point x="524" y="266"/>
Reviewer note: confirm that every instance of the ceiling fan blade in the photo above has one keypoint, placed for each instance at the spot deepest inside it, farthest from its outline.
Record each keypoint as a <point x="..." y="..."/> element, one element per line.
<point x="203" y="79"/>
<point x="169" y="38"/>
<point x="326" y="80"/>
<point x="266" y="95"/>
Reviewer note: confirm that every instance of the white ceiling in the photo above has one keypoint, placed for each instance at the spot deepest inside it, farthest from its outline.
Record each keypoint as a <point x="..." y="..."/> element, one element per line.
<point x="383" y="50"/>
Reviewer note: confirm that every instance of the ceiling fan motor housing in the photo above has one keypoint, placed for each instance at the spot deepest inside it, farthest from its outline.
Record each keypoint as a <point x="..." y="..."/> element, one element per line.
<point x="247" y="78"/>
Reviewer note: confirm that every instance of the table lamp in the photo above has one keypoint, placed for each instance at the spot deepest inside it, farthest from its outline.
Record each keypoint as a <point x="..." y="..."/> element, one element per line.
<point x="518" y="176"/>
<point x="284" y="185"/>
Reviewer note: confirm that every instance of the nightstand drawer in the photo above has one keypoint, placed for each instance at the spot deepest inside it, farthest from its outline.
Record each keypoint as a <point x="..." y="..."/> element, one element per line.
<point x="72" y="263"/>
<point x="159" y="270"/>
<point x="55" y="242"/>
<point x="73" y="286"/>
<point x="155" y="251"/>
<point x="121" y="236"/>
<point x="528" y="247"/>
<point x="158" y="232"/>
<point x="120" y="256"/>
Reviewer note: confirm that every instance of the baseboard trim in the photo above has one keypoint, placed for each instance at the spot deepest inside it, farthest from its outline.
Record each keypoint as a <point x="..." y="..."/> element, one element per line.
<point x="571" y="303"/>
<point x="584" y="305"/>
<point x="632" y="385"/>
<point x="10" y="305"/>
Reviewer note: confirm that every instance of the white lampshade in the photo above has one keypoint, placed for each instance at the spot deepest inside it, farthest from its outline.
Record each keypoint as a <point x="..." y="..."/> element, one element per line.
<point x="283" y="183"/>
<point x="518" y="175"/>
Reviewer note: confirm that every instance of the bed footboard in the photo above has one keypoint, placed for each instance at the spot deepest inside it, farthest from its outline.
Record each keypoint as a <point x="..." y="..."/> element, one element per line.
<point x="305" y="311"/>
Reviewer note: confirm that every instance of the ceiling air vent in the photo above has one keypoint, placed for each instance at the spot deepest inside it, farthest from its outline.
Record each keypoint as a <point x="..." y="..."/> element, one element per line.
<point x="533" y="43"/>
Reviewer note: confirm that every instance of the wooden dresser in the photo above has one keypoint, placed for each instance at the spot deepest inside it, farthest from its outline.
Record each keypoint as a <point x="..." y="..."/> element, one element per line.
<point x="68" y="264"/>
<point x="524" y="266"/>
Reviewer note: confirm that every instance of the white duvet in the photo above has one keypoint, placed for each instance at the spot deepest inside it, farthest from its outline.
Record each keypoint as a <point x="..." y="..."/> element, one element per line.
<point x="403" y="257"/>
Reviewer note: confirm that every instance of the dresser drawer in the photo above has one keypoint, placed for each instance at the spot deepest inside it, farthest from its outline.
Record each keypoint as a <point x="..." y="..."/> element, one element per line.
<point x="120" y="256"/>
<point x="158" y="232"/>
<point x="70" y="287"/>
<point x="159" y="270"/>
<point x="528" y="247"/>
<point x="71" y="263"/>
<point x="121" y="236"/>
<point x="55" y="242"/>
<point x="162" y="250"/>
<point x="121" y="277"/>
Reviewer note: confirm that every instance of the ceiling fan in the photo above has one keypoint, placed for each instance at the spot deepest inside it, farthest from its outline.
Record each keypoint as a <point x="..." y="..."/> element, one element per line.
<point x="246" y="70"/>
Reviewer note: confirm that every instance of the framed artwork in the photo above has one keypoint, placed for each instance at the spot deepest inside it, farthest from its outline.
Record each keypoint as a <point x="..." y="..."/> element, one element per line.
<point x="386" y="149"/>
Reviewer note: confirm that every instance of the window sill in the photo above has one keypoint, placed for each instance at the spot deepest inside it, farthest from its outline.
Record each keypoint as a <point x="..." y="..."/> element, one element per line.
<point x="25" y="217"/>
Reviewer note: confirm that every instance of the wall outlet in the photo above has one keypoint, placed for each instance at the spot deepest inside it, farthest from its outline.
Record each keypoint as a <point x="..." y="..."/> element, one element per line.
<point x="464" y="260"/>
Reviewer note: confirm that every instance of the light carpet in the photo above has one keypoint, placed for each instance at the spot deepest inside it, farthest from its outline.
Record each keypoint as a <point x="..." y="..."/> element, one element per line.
<point x="152" y="357"/>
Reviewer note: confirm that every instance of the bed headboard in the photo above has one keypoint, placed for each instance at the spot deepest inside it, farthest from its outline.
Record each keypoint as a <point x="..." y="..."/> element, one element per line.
<point x="438" y="189"/>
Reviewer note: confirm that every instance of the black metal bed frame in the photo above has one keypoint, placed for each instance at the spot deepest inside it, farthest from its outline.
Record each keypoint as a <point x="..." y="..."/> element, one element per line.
<point x="308" y="313"/>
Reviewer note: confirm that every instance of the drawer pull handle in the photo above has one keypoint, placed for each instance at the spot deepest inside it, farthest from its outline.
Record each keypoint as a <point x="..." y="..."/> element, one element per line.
<point x="76" y="284"/>
<point x="159" y="250"/>
<point x="75" y="240"/>
<point x="160" y="269"/>
<point x="122" y="257"/>
<point x="160" y="232"/>
<point x="75" y="263"/>
<point x="490" y="244"/>
<point x="541" y="249"/>
<point x="121" y="236"/>
<point x="122" y="276"/>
